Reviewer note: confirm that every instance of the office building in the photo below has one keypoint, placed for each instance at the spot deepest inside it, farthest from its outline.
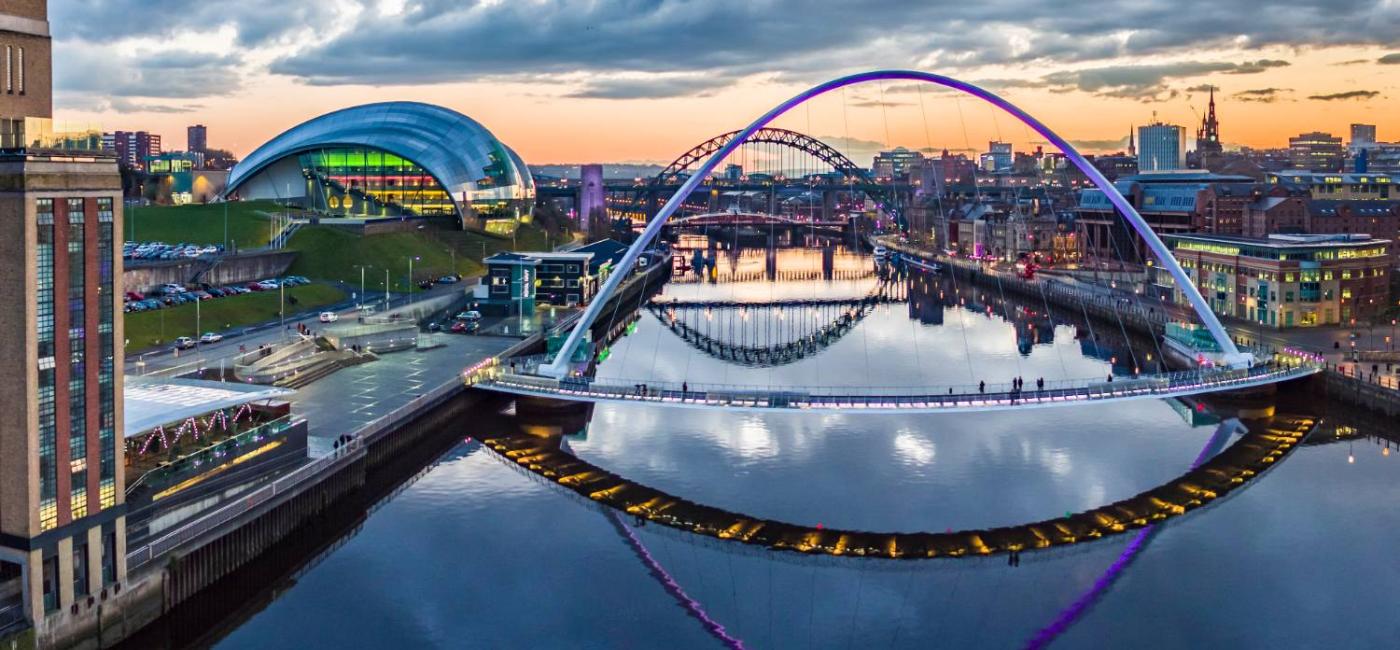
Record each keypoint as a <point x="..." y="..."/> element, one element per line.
<point x="897" y="163"/>
<point x="1287" y="280"/>
<point x="1359" y="187"/>
<point x="1161" y="147"/>
<point x="1362" y="135"/>
<point x="61" y="473"/>
<point x="197" y="139"/>
<point x="1316" y="151"/>
<point x="132" y="147"/>
<point x="998" y="157"/>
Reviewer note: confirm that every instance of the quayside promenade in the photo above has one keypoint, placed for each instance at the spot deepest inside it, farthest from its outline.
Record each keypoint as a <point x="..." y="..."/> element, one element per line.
<point x="1266" y="443"/>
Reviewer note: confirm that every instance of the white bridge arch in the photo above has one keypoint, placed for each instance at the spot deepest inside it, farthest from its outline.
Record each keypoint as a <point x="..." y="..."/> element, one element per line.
<point x="559" y="367"/>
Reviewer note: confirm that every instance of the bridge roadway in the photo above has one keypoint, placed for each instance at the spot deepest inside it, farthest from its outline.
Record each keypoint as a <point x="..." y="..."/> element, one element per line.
<point x="1258" y="450"/>
<point x="518" y="378"/>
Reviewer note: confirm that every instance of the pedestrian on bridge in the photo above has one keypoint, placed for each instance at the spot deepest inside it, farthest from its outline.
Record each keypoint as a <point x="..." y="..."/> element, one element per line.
<point x="981" y="386"/>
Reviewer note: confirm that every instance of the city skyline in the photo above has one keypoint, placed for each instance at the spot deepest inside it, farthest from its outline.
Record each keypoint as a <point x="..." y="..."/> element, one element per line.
<point x="1092" y="79"/>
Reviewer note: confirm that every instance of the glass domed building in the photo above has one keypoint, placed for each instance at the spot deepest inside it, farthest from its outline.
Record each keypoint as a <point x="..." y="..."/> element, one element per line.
<point x="390" y="159"/>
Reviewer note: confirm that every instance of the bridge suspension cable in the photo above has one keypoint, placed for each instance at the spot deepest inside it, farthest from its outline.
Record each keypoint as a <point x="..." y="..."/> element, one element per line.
<point x="559" y="366"/>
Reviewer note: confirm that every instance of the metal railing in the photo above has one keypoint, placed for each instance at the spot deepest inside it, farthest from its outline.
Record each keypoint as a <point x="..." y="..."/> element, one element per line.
<point x="220" y="516"/>
<point x="790" y="396"/>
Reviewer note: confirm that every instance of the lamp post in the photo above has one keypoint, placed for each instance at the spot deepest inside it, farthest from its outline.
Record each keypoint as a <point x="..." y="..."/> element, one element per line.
<point x="360" y="301"/>
<point x="386" y="288"/>
<point x="410" y="274"/>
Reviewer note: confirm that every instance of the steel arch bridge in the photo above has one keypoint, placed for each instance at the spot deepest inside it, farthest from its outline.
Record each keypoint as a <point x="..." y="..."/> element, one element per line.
<point x="1237" y="370"/>
<point x="769" y="135"/>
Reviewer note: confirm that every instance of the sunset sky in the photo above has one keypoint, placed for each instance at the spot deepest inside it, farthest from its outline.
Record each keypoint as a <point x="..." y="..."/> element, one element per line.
<point x="643" y="80"/>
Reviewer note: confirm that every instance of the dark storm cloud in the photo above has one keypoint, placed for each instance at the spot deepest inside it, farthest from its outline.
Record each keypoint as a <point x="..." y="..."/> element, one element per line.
<point x="726" y="40"/>
<point x="257" y="21"/>
<point x="1148" y="82"/>
<point x="1350" y="94"/>
<point x="92" y="70"/>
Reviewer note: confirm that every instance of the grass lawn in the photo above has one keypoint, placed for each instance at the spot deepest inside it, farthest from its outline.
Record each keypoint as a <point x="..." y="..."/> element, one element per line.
<point x="201" y="224"/>
<point x="327" y="253"/>
<point x="143" y="329"/>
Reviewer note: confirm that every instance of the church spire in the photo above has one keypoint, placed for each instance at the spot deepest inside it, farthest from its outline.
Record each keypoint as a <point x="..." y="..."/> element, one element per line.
<point x="1132" y="148"/>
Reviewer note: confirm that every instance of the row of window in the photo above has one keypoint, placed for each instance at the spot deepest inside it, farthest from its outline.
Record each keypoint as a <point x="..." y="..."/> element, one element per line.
<point x="14" y="69"/>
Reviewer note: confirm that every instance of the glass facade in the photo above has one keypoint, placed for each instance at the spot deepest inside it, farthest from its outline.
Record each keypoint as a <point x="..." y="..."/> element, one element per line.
<point x="363" y="182"/>
<point x="77" y="358"/>
<point x="47" y="409"/>
<point x="106" y="374"/>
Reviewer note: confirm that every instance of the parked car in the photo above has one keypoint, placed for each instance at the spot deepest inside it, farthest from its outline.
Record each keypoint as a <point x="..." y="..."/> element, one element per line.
<point x="459" y="327"/>
<point x="255" y="286"/>
<point x="184" y="343"/>
<point x="434" y="326"/>
<point x="469" y="315"/>
<point x="426" y="284"/>
<point x="448" y="279"/>
<point x="329" y="317"/>
<point x="133" y="295"/>
<point x="211" y="337"/>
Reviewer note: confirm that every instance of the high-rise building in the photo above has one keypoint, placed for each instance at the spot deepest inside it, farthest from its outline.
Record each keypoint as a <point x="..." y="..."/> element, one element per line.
<point x="197" y="139"/>
<point x="1316" y="151"/>
<point x="132" y="147"/>
<point x="1208" y="136"/>
<point x="62" y="524"/>
<point x="1161" y="147"/>
<point x="1362" y="135"/>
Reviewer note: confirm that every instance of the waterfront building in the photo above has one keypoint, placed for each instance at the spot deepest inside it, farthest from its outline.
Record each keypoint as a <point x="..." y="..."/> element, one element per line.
<point x="62" y="511"/>
<point x="1286" y="280"/>
<point x="1355" y="187"/>
<point x="1161" y="147"/>
<point x="509" y="286"/>
<point x="132" y="148"/>
<point x="1170" y="202"/>
<point x="563" y="278"/>
<point x="1316" y="151"/>
<point x="390" y="160"/>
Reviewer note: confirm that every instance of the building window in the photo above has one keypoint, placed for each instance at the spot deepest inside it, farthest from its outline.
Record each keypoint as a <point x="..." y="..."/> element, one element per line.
<point x="20" y="71"/>
<point x="80" y="570"/>
<point x="10" y="69"/>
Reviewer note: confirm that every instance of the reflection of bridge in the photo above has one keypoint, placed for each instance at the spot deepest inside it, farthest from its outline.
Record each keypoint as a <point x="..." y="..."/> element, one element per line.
<point x="877" y="399"/>
<point x="1250" y="456"/>
<point x="733" y="218"/>
<point x="767" y="334"/>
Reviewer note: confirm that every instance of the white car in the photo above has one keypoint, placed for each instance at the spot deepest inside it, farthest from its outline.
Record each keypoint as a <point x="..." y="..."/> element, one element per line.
<point x="184" y="343"/>
<point x="211" y="337"/>
<point x="329" y="317"/>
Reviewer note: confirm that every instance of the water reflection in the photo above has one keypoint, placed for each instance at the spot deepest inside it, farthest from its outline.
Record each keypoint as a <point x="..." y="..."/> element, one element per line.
<point x="478" y="553"/>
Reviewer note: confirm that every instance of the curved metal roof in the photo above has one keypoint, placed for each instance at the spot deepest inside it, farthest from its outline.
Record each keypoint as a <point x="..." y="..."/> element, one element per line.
<point x="454" y="148"/>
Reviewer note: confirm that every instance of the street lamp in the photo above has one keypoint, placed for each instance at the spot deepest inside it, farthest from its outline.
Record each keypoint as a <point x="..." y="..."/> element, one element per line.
<point x="410" y="273"/>
<point x="361" y="298"/>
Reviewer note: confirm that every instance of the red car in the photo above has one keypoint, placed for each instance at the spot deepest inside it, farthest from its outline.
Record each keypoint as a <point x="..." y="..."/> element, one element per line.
<point x="133" y="295"/>
<point x="254" y="286"/>
<point x="459" y="327"/>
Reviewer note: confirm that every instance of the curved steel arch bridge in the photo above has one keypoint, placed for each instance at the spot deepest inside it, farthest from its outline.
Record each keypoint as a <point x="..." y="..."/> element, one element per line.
<point x="791" y="139"/>
<point x="801" y="329"/>
<point x="1238" y="371"/>
<point x="673" y="175"/>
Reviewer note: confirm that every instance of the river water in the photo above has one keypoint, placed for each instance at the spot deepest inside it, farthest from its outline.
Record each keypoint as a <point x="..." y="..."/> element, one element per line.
<point x="475" y="553"/>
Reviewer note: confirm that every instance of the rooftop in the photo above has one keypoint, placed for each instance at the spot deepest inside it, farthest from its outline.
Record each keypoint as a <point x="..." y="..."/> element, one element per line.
<point x="1287" y="241"/>
<point x="152" y="402"/>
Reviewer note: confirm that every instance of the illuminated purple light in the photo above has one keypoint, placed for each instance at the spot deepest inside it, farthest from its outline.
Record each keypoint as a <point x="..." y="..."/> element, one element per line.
<point x="693" y="607"/>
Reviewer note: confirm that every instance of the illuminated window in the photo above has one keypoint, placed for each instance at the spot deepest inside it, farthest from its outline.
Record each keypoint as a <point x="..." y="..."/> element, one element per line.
<point x="10" y="69"/>
<point x="20" y="65"/>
